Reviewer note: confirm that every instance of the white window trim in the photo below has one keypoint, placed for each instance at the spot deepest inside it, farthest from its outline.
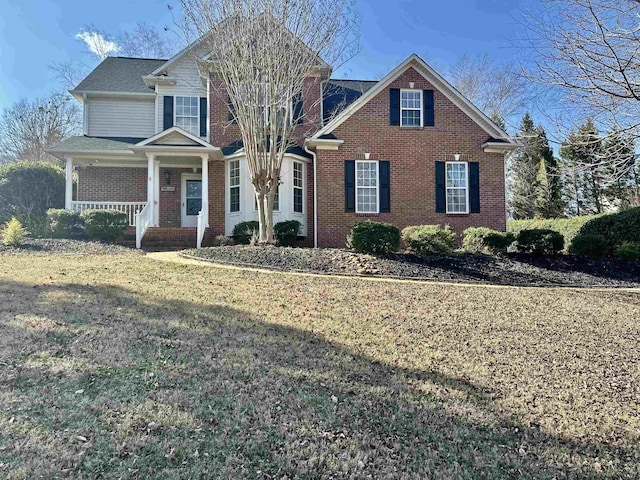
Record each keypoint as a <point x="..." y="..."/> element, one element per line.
<point x="175" y="113"/>
<point x="293" y="187"/>
<point x="447" y="188"/>
<point x="377" y="187"/>
<point x="239" y="187"/>
<point x="413" y="109"/>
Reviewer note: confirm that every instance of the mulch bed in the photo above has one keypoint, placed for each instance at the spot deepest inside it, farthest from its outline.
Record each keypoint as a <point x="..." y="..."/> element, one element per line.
<point x="49" y="245"/>
<point x="512" y="269"/>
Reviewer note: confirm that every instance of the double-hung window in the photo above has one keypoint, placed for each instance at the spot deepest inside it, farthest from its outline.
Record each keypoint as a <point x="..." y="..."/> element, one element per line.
<point x="298" y="187"/>
<point x="188" y="114"/>
<point x="367" y="186"/>
<point x="234" y="186"/>
<point x="457" y="185"/>
<point x="411" y="108"/>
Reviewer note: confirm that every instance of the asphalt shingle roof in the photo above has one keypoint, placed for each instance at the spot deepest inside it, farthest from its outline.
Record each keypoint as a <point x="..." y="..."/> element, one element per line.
<point x="339" y="94"/>
<point x="84" y="143"/>
<point x="120" y="74"/>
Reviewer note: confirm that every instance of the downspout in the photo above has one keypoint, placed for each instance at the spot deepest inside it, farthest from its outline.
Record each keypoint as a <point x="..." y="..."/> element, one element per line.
<point x="315" y="194"/>
<point x="315" y="167"/>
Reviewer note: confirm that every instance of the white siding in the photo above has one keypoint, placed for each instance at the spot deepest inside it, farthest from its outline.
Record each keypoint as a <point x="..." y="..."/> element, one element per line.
<point x="121" y="118"/>
<point x="247" y="197"/>
<point x="188" y="84"/>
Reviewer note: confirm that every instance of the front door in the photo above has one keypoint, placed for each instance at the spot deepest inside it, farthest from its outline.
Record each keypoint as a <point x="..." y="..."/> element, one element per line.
<point x="191" y="199"/>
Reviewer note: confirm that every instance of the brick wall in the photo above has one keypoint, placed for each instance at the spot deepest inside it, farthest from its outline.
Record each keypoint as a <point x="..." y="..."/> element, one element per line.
<point x="117" y="184"/>
<point x="412" y="153"/>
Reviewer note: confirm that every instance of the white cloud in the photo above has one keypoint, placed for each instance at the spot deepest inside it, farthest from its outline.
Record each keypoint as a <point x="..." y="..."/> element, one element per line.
<point x="98" y="44"/>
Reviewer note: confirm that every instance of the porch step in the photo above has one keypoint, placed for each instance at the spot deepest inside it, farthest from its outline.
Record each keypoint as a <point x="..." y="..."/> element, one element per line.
<point x="167" y="239"/>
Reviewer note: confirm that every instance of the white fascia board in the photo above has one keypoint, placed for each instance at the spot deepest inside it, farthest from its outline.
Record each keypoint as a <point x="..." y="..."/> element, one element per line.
<point x="324" y="143"/>
<point x="499" y="147"/>
<point x="153" y="80"/>
<point x="79" y="93"/>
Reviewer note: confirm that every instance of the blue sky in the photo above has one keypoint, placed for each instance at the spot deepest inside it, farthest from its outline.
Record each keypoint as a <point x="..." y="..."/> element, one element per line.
<point x="36" y="33"/>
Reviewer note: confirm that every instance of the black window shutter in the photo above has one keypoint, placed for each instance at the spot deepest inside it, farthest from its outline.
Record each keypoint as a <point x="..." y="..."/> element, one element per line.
<point x="350" y="186"/>
<point x="168" y="112"/>
<point x="394" y="107"/>
<point x="474" y="187"/>
<point x="203" y="116"/>
<point x="429" y="113"/>
<point x="385" y="186"/>
<point x="298" y="112"/>
<point x="441" y="190"/>
<point x="232" y="112"/>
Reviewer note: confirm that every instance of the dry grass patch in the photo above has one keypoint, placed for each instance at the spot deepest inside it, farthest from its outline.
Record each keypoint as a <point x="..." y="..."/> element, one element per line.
<point x="191" y="372"/>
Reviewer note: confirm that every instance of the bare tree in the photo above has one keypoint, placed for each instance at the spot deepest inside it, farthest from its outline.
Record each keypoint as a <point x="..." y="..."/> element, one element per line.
<point x="586" y="53"/>
<point x="68" y="74"/>
<point x="30" y="127"/>
<point x="145" y="41"/>
<point x="500" y="91"/>
<point x="261" y="51"/>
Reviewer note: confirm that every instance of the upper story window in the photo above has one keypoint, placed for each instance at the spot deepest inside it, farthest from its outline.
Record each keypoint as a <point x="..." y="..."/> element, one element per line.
<point x="234" y="186"/>
<point x="457" y="184"/>
<point x="298" y="187"/>
<point x="411" y="108"/>
<point x="188" y="114"/>
<point x="367" y="186"/>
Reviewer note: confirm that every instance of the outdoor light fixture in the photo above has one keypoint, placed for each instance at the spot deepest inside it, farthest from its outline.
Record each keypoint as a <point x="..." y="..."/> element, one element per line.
<point x="457" y="157"/>
<point x="167" y="177"/>
<point x="366" y="156"/>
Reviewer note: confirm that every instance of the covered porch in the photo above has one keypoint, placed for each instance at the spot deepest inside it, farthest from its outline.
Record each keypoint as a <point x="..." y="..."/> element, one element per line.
<point x="160" y="182"/>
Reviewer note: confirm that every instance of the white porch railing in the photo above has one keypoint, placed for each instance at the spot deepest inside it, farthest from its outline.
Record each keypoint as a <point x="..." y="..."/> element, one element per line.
<point x="203" y="217"/>
<point x="143" y="220"/>
<point x="128" y="208"/>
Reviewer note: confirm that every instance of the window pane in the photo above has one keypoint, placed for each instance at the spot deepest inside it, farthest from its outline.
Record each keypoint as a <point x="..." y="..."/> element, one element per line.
<point x="456" y="178"/>
<point x="194" y="205"/>
<point x="367" y="187"/>
<point x="234" y="199"/>
<point x="297" y="200"/>
<point x="187" y="114"/>
<point x="194" y="189"/>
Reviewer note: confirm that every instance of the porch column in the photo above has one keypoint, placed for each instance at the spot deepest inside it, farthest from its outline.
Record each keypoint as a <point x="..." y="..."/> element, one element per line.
<point x="205" y="187"/>
<point x="156" y="194"/>
<point x="151" y="189"/>
<point x="68" y="192"/>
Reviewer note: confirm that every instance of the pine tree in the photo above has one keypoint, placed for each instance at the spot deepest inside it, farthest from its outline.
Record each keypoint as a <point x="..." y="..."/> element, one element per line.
<point x="584" y="168"/>
<point x="534" y="177"/>
<point x="621" y="166"/>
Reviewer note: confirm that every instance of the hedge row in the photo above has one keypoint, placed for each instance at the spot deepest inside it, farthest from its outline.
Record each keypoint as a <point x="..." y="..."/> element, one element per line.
<point x="285" y="232"/>
<point x="568" y="227"/>
<point x="103" y="225"/>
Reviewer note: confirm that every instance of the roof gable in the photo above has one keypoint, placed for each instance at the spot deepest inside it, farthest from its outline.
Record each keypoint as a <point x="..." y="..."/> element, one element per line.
<point x="174" y="136"/>
<point x="415" y="62"/>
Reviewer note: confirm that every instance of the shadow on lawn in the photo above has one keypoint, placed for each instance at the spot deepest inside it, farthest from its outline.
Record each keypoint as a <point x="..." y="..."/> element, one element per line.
<point x="102" y="383"/>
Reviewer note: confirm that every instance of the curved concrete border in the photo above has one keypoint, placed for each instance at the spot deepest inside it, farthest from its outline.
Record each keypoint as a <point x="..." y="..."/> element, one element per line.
<point x="179" y="258"/>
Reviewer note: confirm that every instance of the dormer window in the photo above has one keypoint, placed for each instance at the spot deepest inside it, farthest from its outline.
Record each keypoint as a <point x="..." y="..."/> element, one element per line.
<point x="188" y="114"/>
<point x="411" y="108"/>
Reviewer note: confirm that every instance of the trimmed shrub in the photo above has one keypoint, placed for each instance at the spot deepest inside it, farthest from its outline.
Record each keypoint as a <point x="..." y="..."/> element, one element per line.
<point x="38" y="227"/>
<point x="223" y="241"/>
<point x="628" y="251"/>
<point x="616" y="228"/>
<point x="589" y="245"/>
<point x="105" y="225"/>
<point x="245" y="231"/>
<point x="486" y="240"/>
<point x="287" y="232"/>
<point x="568" y="227"/>
<point x="65" y="223"/>
<point x="375" y="238"/>
<point x="540" y="242"/>
<point x="429" y="239"/>
<point x="29" y="189"/>
<point x="13" y="233"/>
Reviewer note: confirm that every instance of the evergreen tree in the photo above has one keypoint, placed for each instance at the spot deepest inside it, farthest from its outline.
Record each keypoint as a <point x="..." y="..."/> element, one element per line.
<point x="534" y="176"/>
<point x="582" y="155"/>
<point x="621" y="167"/>
<point x="548" y="188"/>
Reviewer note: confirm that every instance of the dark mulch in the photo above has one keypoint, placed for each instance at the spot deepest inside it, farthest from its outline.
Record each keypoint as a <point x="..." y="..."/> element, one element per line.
<point x="50" y="245"/>
<point x="513" y="269"/>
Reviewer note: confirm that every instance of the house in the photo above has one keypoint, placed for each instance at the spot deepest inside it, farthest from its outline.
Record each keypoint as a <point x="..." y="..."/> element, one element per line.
<point x="160" y="144"/>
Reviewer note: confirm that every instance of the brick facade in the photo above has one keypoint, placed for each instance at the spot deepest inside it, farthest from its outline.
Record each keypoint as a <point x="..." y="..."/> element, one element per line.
<point x="105" y="184"/>
<point x="412" y="153"/>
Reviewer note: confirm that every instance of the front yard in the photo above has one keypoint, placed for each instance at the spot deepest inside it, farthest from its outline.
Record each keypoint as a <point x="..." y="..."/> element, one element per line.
<point x="118" y="366"/>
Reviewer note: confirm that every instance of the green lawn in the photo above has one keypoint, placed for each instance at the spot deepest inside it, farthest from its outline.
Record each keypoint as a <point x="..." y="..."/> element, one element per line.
<point x="123" y="367"/>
